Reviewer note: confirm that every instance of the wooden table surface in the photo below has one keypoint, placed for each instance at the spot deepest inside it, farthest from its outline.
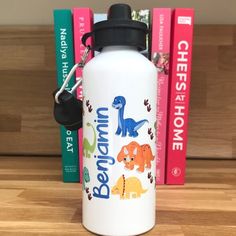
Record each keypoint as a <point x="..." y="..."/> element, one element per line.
<point x="34" y="200"/>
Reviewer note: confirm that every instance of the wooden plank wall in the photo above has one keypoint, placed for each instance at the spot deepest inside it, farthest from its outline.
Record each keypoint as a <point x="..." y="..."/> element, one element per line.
<point x="27" y="77"/>
<point x="212" y="126"/>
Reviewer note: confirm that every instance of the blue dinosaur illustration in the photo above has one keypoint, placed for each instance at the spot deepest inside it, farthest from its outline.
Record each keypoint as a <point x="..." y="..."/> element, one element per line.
<point x="126" y="125"/>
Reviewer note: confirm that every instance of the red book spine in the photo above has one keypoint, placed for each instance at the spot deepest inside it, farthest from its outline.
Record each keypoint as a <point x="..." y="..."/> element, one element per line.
<point x="82" y="21"/>
<point x="181" y="51"/>
<point x="161" y="29"/>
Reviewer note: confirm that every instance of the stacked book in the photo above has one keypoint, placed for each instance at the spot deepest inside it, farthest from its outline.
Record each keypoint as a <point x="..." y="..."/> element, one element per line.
<point x="170" y="49"/>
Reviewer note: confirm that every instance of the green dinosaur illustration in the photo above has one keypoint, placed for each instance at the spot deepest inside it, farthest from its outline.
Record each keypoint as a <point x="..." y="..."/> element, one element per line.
<point x="155" y="126"/>
<point x="88" y="148"/>
<point x="86" y="177"/>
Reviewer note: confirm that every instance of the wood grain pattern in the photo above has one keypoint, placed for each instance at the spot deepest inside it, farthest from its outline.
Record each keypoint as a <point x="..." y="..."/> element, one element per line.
<point x="28" y="77"/>
<point x="212" y="126"/>
<point x="34" y="200"/>
<point x="27" y="82"/>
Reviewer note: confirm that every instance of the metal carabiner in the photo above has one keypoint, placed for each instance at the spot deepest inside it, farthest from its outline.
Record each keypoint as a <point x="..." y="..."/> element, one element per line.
<point x="72" y="71"/>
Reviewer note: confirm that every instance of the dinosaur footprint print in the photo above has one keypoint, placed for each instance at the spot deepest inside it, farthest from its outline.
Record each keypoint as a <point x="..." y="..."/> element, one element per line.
<point x="89" y="196"/>
<point x="150" y="177"/>
<point x="87" y="103"/>
<point x="151" y="135"/>
<point x="147" y="105"/>
<point x="149" y="130"/>
<point x="145" y="102"/>
<point x="90" y="109"/>
<point x="89" y="106"/>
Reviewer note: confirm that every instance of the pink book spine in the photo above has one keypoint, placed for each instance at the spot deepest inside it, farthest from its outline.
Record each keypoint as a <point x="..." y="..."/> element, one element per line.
<point x="82" y="21"/>
<point x="181" y="51"/>
<point x="161" y="29"/>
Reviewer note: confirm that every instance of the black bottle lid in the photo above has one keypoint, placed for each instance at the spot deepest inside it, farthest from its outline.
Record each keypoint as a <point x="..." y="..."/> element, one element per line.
<point x="119" y="29"/>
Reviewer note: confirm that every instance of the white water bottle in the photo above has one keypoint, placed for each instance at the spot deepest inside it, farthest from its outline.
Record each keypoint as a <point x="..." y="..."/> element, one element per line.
<point x="119" y="118"/>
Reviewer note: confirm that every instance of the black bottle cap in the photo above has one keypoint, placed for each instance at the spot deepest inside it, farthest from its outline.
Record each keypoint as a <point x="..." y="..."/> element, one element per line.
<point x="68" y="112"/>
<point x="119" y="29"/>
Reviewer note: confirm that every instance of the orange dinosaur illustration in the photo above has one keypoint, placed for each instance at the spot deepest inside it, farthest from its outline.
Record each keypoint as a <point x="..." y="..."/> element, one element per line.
<point x="135" y="154"/>
<point x="128" y="188"/>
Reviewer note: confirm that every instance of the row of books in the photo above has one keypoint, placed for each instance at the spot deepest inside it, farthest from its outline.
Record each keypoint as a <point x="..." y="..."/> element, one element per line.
<point x="170" y="49"/>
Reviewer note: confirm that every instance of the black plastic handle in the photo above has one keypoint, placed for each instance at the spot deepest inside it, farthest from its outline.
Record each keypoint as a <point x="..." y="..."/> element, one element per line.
<point x="85" y="37"/>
